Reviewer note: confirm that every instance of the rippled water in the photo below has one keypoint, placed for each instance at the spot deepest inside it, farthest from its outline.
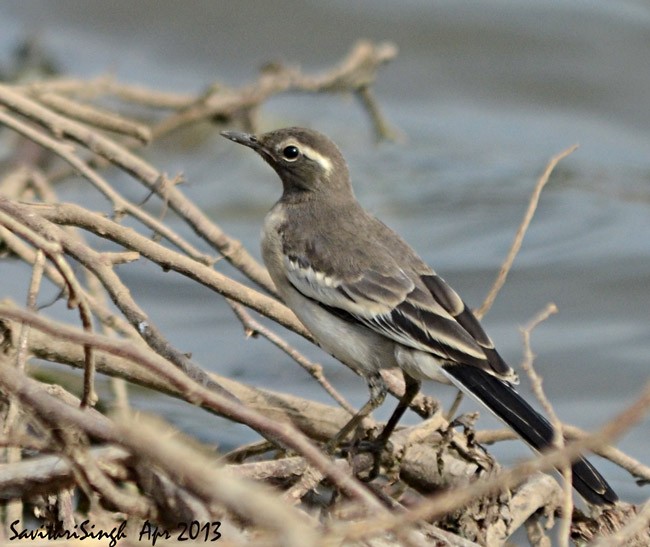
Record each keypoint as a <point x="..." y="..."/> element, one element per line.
<point x="484" y="94"/>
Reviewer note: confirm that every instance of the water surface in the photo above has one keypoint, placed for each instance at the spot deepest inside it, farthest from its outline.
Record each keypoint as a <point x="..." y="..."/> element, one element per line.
<point x="484" y="94"/>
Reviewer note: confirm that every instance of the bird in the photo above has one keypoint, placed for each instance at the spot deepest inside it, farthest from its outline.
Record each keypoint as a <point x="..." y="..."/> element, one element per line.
<point x="370" y="301"/>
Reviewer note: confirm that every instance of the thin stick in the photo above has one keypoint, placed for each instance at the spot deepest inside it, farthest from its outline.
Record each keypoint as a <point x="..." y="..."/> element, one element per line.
<point x="521" y="232"/>
<point x="34" y="287"/>
<point x="564" y="533"/>
<point x="75" y="293"/>
<point x="613" y="454"/>
<point x="32" y="225"/>
<point x="96" y="117"/>
<point x="14" y="510"/>
<point x="143" y="171"/>
<point x="637" y="525"/>
<point x="253" y="328"/>
<point x="106" y="85"/>
<point x="66" y="152"/>
<point x="441" y="504"/>
<point x="78" y="216"/>
<point x="282" y="433"/>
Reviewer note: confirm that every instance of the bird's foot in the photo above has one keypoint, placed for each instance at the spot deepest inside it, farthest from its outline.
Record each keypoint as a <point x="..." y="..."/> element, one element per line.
<point x="371" y="447"/>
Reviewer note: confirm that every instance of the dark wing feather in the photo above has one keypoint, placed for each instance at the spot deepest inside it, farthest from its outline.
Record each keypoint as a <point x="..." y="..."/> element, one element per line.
<point x="449" y="299"/>
<point x="401" y="307"/>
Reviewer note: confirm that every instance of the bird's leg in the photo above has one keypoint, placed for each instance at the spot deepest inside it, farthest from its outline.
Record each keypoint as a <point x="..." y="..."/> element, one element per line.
<point x="378" y="391"/>
<point x="411" y="389"/>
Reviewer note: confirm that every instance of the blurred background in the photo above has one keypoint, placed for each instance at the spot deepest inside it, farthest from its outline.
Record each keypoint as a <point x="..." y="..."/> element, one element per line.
<point x="483" y="95"/>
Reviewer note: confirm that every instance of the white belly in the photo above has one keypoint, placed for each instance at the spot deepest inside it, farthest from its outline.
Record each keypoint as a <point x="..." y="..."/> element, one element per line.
<point x="357" y="346"/>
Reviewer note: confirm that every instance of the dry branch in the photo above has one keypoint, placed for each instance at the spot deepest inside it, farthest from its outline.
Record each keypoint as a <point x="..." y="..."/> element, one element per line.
<point x="521" y="232"/>
<point x="441" y="504"/>
<point x="147" y="470"/>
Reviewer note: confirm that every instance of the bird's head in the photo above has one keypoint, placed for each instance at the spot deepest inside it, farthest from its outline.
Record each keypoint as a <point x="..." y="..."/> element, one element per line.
<point x="305" y="160"/>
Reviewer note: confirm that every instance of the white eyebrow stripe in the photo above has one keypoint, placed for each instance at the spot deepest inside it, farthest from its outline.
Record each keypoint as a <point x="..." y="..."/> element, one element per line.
<point x="321" y="160"/>
<point x="312" y="154"/>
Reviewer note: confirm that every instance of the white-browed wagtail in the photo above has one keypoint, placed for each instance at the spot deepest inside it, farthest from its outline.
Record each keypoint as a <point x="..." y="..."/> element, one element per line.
<point x="372" y="302"/>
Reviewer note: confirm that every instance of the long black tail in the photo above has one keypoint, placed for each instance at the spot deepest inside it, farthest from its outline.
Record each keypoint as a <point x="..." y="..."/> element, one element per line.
<point x="500" y="398"/>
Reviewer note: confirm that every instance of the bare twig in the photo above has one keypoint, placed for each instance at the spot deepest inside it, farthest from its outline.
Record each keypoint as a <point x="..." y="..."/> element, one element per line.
<point x="383" y="131"/>
<point x="108" y="85"/>
<point x="103" y="269"/>
<point x="46" y="474"/>
<point x="356" y="72"/>
<point x="281" y="433"/>
<point x="32" y="294"/>
<point x="521" y="232"/>
<point x="75" y="293"/>
<point x="558" y="435"/>
<point x="60" y="116"/>
<point x="316" y="420"/>
<point x="253" y="328"/>
<point x="96" y="117"/>
<point x="67" y="152"/>
<point x="191" y="469"/>
<point x="613" y="454"/>
<point x="441" y="504"/>
<point x="14" y="509"/>
<point x="75" y="215"/>
<point x="637" y="526"/>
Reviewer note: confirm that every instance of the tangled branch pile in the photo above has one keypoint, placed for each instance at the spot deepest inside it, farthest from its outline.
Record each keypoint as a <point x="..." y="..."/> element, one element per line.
<point x="127" y="474"/>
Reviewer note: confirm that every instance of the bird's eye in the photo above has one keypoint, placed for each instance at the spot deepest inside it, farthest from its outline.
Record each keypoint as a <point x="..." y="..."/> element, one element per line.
<point x="291" y="153"/>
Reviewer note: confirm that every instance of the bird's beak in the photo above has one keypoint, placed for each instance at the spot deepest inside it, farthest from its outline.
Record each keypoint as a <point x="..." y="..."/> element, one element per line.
<point x="242" y="138"/>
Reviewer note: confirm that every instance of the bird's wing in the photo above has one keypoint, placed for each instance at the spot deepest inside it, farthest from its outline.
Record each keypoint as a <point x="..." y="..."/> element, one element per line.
<point x="418" y="311"/>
